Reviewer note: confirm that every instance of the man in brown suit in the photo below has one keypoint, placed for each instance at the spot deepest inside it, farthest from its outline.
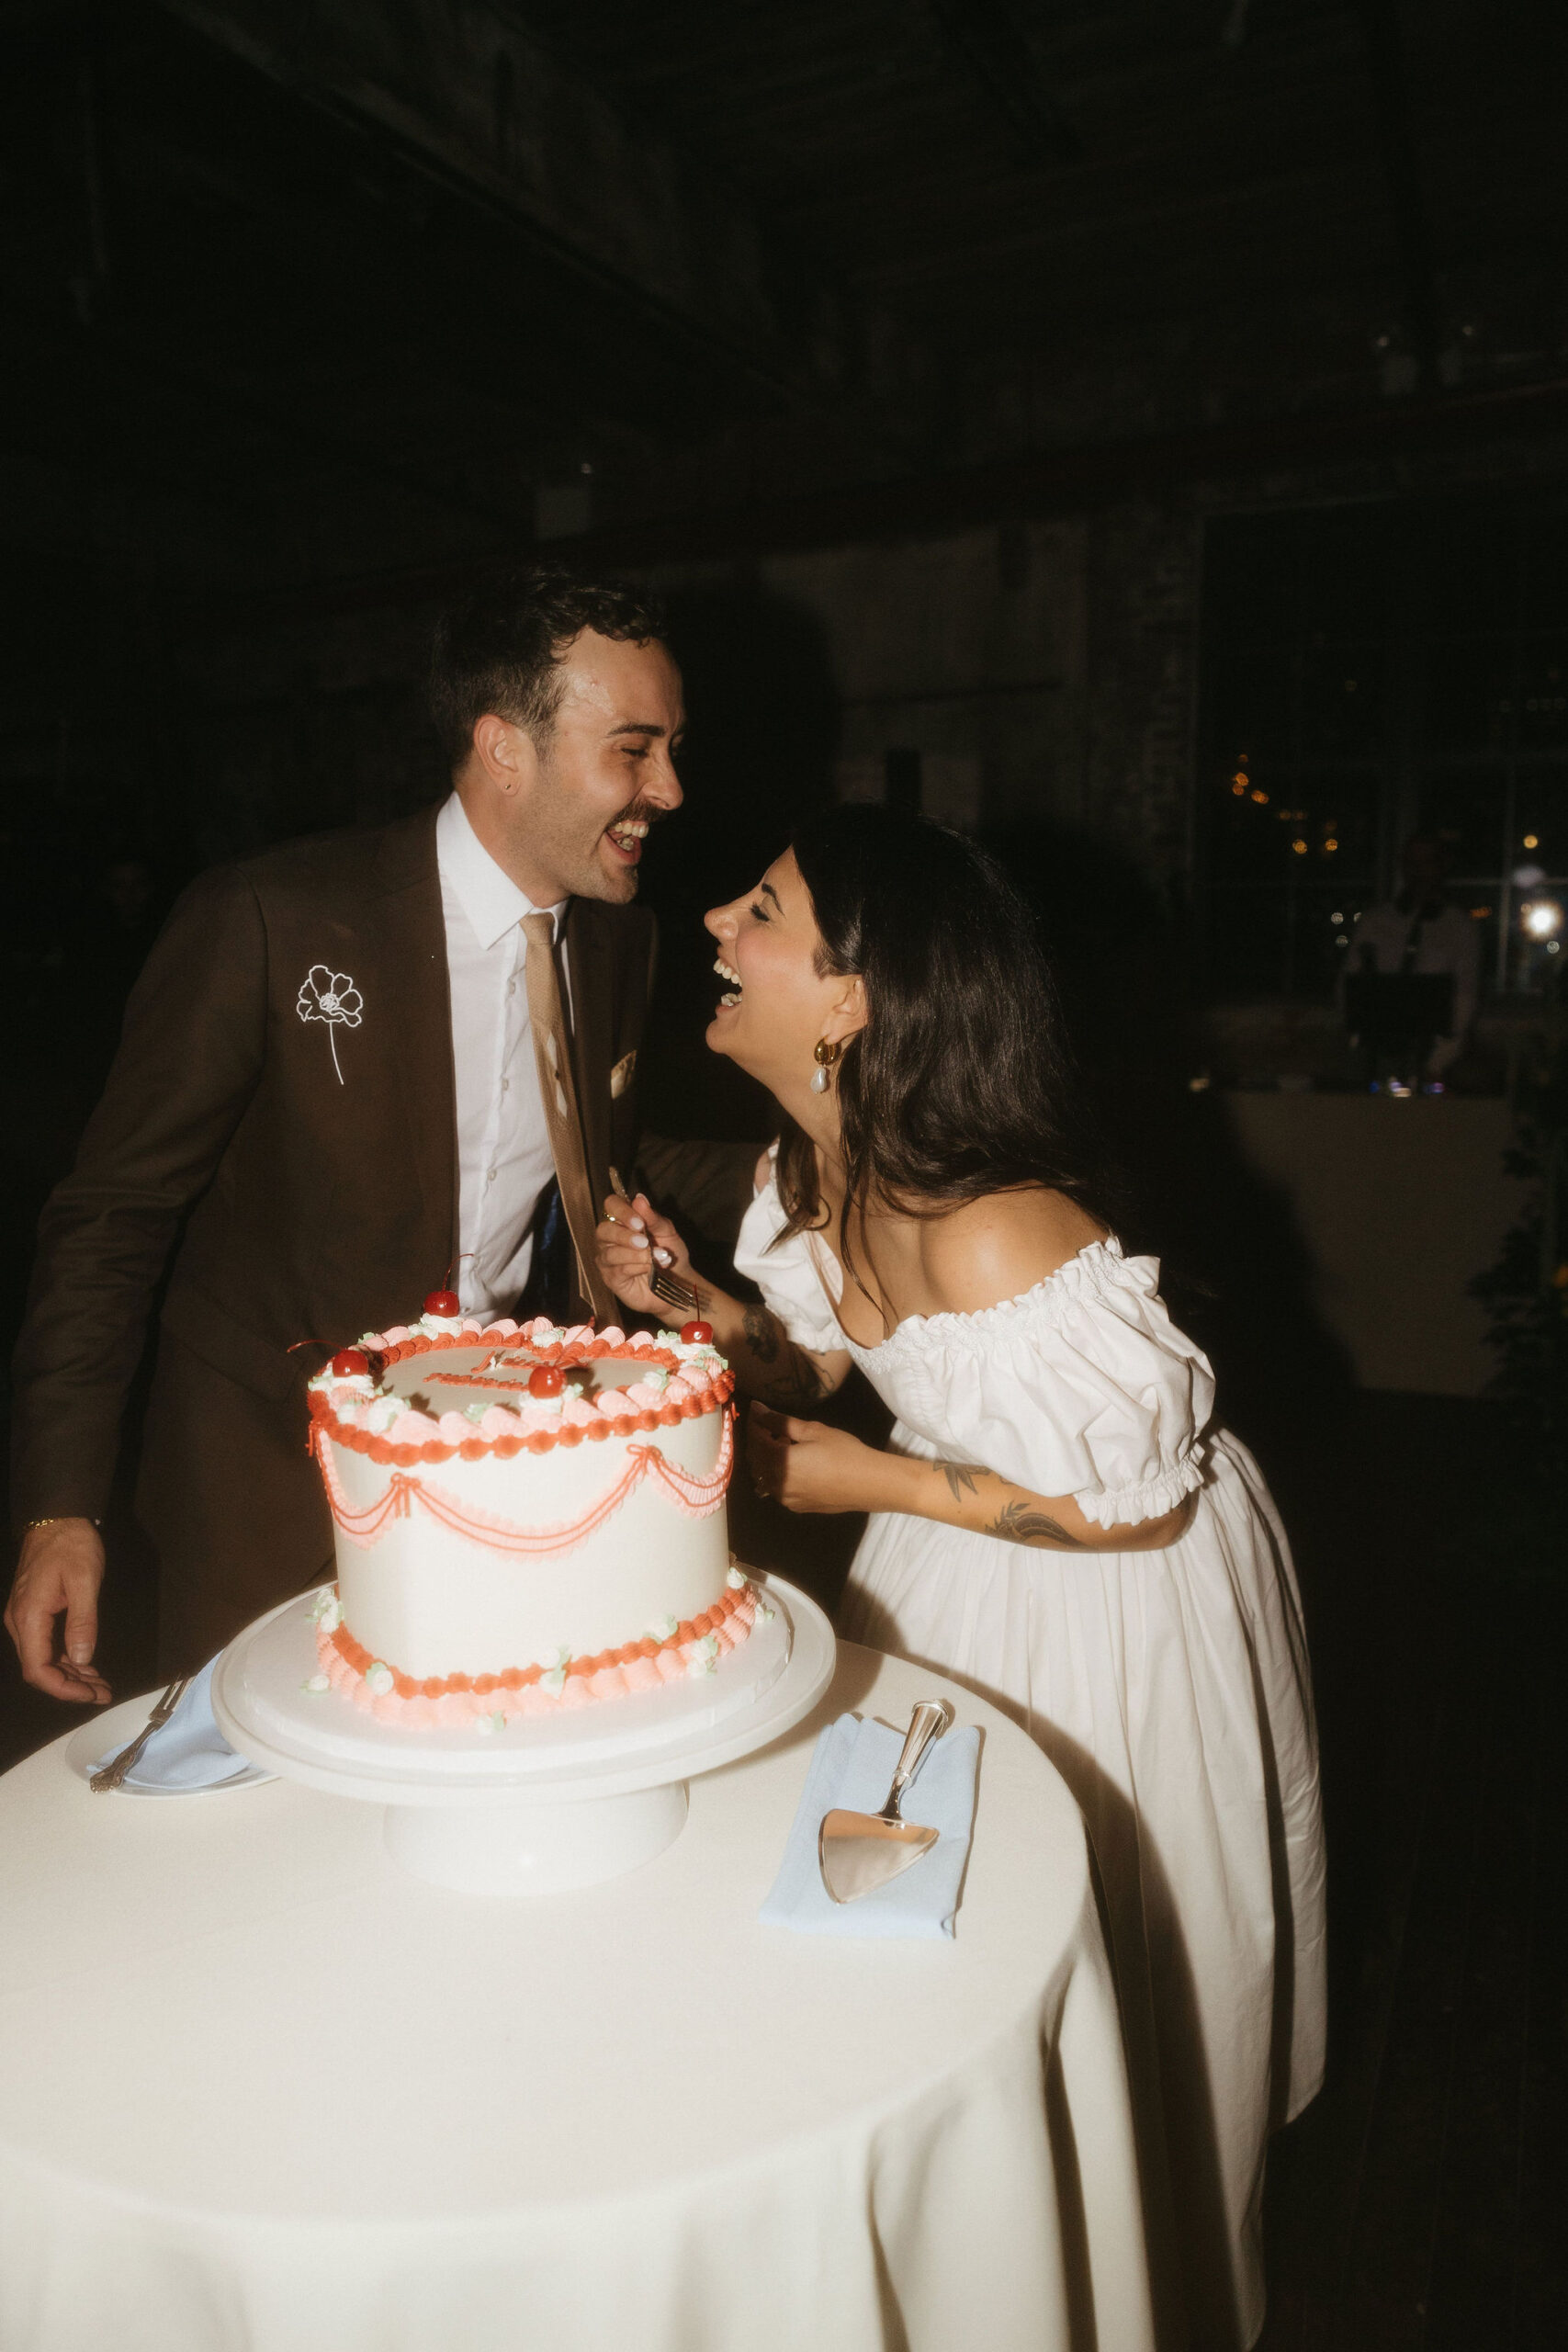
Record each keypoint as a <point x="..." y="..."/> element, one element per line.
<point x="329" y="1101"/>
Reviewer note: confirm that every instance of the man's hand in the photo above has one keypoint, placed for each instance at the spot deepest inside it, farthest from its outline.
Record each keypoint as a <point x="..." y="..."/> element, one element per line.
<point x="59" y="1570"/>
<point x="809" y="1467"/>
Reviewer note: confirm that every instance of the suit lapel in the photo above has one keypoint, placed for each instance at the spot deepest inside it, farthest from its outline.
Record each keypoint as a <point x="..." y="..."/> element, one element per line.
<point x="413" y="936"/>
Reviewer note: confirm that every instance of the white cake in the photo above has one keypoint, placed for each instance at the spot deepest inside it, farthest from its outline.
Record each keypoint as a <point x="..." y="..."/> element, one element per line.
<point x="526" y="1518"/>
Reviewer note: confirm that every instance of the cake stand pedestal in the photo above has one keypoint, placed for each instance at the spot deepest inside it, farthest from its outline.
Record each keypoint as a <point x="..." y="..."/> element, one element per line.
<point x="549" y="1802"/>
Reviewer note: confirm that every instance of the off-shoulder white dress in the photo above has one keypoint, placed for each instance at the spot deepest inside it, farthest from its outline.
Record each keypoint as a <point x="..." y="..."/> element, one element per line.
<point x="1171" y="1688"/>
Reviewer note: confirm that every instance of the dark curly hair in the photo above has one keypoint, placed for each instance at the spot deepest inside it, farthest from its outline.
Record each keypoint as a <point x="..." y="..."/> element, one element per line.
<point x="499" y="648"/>
<point x="962" y="1084"/>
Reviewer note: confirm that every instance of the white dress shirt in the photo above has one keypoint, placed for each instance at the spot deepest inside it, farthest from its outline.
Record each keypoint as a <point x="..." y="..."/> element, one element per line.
<point x="504" y="1162"/>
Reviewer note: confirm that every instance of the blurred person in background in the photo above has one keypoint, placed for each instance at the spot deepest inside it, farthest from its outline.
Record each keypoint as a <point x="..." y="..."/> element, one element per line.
<point x="1420" y="933"/>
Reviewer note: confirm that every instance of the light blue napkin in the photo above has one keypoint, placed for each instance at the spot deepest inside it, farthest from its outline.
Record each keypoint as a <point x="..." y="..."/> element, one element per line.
<point x="852" y="1765"/>
<point x="189" y="1751"/>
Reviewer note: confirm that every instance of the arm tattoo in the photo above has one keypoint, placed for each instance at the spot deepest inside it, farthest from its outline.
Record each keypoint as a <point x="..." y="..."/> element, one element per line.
<point x="961" y="1478"/>
<point x="762" y="1334"/>
<point x="797" y="1382"/>
<point x="1016" y="1523"/>
<point x="798" y="1385"/>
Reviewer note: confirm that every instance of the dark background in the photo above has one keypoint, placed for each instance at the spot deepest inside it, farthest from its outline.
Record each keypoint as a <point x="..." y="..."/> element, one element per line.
<point x="1043" y="414"/>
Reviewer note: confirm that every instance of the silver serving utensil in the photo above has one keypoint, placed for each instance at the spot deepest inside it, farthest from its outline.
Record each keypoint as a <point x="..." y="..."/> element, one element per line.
<point x="857" y="1852"/>
<point x="109" y="1776"/>
<point x="668" y="1288"/>
<point x="673" y="1292"/>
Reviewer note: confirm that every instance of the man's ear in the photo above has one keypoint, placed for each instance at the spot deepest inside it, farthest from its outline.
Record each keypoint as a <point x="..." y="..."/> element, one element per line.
<point x="505" y="753"/>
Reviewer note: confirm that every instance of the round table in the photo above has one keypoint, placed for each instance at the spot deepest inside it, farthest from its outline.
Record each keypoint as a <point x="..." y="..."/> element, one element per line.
<point x="260" y="2089"/>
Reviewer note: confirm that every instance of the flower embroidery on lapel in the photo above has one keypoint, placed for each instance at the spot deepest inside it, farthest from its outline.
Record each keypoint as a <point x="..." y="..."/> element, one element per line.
<point x="331" y="997"/>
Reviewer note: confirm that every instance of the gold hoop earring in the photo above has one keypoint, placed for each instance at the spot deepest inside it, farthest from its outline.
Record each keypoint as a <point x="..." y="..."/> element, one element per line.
<point x="824" y="1055"/>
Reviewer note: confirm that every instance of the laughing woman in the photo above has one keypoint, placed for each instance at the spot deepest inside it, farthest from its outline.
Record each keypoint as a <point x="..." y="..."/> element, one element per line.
<point x="1058" y="1520"/>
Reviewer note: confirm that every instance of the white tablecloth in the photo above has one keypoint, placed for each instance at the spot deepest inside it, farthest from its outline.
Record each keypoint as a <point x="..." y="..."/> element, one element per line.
<point x="259" y="2090"/>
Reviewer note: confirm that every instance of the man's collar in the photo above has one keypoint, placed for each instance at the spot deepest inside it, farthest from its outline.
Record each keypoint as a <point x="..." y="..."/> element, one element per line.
<point x="489" y="898"/>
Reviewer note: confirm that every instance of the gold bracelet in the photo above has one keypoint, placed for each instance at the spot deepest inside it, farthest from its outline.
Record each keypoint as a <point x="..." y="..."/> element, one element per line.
<point x="58" y="1519"/>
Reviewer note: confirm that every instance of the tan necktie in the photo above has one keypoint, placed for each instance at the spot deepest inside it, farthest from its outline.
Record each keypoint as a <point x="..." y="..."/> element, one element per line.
<point x="552" y="1054"/>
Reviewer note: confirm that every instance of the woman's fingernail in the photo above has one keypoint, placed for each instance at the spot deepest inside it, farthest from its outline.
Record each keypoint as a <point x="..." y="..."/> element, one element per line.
<point x="636" y="1223"/>
<point x="664" y="1257"/>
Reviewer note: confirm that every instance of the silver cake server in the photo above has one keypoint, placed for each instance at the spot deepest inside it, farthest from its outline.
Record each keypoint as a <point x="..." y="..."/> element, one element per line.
<point x="857" y="1852"/>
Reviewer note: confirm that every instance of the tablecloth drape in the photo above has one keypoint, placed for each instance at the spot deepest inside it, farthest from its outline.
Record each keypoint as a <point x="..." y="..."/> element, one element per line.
<point x="258" y="2089"/>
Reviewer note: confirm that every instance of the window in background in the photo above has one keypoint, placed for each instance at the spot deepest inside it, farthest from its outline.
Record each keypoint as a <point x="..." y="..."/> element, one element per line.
<point x="1369" y="672"/>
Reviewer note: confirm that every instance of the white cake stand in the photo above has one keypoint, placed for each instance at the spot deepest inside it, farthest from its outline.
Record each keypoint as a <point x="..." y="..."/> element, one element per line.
<point x="548" y="1803"/>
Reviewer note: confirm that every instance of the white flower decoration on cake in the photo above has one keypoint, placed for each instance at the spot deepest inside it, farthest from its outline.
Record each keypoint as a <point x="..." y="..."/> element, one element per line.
<point x="331" y="997"/>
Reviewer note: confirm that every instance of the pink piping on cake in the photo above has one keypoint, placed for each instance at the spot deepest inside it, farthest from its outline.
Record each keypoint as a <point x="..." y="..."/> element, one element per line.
<point x="695" y="1496"/>
<point x="670" y="1662"/>
<point x="698" y="1382"/>
<point x="507" y="1430"/>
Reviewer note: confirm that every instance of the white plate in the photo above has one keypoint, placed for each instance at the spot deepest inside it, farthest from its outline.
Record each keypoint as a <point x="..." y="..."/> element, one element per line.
<point x="115" y="1727"/>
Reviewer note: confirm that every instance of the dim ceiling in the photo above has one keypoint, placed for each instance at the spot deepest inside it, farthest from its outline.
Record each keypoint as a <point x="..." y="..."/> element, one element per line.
<point x="275" y="260"/>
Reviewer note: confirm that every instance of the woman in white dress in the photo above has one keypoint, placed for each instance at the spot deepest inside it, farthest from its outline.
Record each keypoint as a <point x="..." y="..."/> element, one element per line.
<point x="1057" y="1520"/>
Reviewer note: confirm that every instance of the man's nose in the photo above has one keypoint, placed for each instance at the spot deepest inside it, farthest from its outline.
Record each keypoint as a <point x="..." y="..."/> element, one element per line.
<point x="665" y="790"/>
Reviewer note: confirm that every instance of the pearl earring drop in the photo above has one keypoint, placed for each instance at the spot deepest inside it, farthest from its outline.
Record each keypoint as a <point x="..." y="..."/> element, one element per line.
<point x="824" y="1055"/>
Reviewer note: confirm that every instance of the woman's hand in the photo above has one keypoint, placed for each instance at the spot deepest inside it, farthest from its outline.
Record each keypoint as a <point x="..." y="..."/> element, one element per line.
<point x="809" y="1467"/>
<point x="632" y="1236"/>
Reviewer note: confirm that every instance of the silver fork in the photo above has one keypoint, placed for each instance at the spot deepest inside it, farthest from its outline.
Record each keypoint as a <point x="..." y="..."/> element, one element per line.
<point x="109" y="1776"/>
<point x="674" y="1292"/>
<point x="668" y="1288"/>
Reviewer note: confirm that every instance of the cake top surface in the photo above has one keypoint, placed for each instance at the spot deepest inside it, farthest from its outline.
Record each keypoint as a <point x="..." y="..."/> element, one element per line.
<point x="466" y="1383"/>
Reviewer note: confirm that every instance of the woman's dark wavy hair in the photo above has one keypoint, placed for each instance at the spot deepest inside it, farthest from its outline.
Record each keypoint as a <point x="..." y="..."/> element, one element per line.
<point x="962" y="1082"/>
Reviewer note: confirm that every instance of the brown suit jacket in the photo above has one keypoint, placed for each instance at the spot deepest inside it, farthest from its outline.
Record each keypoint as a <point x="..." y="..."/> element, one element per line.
<point x="287" y="1195"/>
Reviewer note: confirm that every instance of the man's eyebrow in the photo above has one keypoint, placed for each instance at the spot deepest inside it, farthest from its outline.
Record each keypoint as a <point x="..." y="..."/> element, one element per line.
<point x="638" y="727"/>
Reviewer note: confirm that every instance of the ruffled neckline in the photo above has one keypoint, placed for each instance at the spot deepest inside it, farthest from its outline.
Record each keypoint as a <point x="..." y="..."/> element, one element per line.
<point x="1092" y="1269"/>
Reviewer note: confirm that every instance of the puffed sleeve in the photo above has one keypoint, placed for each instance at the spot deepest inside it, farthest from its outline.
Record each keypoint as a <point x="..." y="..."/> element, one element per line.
<point x="1084" y="1387"/>
<point x="786" y="1275"/>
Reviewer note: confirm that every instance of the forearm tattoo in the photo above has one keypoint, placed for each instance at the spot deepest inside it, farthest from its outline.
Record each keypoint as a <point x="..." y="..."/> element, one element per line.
<point x="797" y="1382"/>
<point x="762" y="1334"/>
<point x="1018" y="1521"/>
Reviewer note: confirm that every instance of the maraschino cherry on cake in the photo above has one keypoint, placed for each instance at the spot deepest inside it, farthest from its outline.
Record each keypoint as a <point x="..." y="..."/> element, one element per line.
<point x="527" y="1518"/>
